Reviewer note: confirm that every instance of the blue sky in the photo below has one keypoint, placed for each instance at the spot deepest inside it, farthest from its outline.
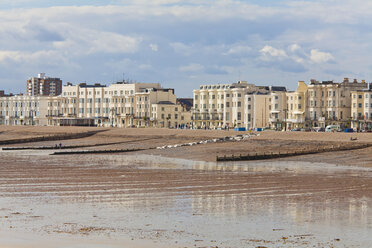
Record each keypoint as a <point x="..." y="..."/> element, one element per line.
<point x="183" y="44"/>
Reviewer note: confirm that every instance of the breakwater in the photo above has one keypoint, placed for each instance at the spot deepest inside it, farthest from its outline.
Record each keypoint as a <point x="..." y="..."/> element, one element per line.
<point x="272" y="155"/>
<point x="96" y="151"/>
<point x="64" y="136"/>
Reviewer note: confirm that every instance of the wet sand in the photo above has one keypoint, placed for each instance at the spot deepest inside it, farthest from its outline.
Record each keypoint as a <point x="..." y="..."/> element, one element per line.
<point x="178" y="197"/>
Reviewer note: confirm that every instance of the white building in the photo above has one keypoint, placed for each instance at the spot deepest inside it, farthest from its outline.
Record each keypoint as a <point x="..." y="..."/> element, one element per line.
<point x="24" y="110"/>
<point x="232" y="105"/>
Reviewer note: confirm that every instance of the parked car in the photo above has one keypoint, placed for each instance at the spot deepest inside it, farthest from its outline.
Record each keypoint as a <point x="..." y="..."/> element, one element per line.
<point x="296" y="129"/>
<point x="333" y="128"/>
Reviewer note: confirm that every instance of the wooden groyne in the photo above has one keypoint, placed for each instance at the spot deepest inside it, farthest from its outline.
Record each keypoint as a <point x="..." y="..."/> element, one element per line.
<point x="272" y="155"/>
<point x="96" y="151"/>
<point x="50" y="138"/>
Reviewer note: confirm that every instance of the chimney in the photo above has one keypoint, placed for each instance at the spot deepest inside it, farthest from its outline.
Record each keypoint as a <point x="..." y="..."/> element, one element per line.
<point x="355" y="81"/>
<point x="363" y="81"/>
<point x="346" y="80"/>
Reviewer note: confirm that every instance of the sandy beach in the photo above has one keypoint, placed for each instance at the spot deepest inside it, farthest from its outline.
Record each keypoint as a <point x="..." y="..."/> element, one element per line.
<point x="180" y="197"/>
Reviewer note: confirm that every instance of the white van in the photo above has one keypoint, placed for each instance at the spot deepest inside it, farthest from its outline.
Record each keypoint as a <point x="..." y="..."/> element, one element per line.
<point x="333" y="128"/>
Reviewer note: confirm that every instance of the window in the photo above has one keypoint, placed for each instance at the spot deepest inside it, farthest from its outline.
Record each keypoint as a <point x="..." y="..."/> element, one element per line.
<point x="359" y="105"/>
<point x="299" y="106"/>
<point x="227" y="95"/>
<point x="239" y="104"/>
<point x="360" y="96"/>
<point x="227" y="105"/>
<point x="196" y="97"/>
<point x="239" y="116"/>
<point x="249" y="106"/>
<point x="276" y="97"/>
<point x="227" y="116"/>
<point x="239" y="95"/>
<point x="176" y="116"/>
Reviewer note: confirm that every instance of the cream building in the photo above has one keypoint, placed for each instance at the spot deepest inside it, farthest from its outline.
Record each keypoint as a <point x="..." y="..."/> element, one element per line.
<point x="120" y="104"/>
<point x="278" y="110"/>
<point x="296" y="107"/>
<point x="257" y="109"/>
<point x="232" y="105"/>
<point x="24" y="110"/>
<point x="168" y="114"/>
<point x="361" y="109"/>
<point x="330" y="102"/>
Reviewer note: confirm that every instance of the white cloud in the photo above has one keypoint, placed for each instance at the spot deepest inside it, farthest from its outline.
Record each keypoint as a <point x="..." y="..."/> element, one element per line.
<point x="320" y="57"/>
<point x="31" y="57"/>
<point x="269" y="51"/>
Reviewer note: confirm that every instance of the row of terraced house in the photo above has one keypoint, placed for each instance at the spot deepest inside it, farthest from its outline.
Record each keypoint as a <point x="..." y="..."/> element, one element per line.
<point x="214" y="106"/>
<point x="317" y="104"/>
<point x="120" y="104"/>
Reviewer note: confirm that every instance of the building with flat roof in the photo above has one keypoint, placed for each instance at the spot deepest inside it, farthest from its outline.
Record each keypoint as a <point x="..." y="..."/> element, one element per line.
<point x="361" y="109"/>
<point x="44" y="86"/>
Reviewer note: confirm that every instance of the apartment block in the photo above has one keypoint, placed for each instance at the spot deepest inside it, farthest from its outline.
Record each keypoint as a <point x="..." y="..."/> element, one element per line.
<point x="121" y="104"/>
<point x="168" y="114"/>
<point x="296" y="107"/>
<point x="44" y="86"/>
<point x="232" y="105"/>
<point x="257" y="109"/>
<point x="361" y="109"/>
<point x="23" y="110"/>
<point x="329" y="103"/>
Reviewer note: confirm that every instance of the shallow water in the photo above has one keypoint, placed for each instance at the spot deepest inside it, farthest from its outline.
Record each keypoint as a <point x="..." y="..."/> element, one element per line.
<point x="240" y="204"/>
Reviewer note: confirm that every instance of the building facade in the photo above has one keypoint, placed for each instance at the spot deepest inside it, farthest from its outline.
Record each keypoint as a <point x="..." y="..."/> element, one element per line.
<point x="226" y="105"/>
<point x="121" y="104"/>
<point x="361" y="109"/>
<point x="44" y="86"/>
<point x="329" y="103"/>
<point x="24" y="110"/>
<point x="171" y="115"/>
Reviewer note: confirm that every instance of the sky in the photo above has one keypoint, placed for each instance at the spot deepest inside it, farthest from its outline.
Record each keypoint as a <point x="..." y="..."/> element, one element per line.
<point x="183" y="44"/>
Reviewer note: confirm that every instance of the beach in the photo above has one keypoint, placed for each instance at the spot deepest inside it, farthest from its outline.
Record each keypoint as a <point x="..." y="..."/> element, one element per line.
<point x="180" y="196"/>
